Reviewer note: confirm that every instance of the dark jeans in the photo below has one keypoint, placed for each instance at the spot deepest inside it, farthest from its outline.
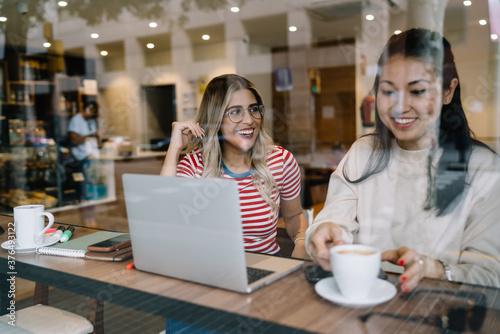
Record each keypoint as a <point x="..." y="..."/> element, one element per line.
<point x="76" y="166"/>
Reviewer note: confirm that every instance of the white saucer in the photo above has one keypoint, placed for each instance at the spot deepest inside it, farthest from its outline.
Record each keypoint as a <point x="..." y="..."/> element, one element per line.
<point x="381" y="292"/>
<point x="47" y="241"/>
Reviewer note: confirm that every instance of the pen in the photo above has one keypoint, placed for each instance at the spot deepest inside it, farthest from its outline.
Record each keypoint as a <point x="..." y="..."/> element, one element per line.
<point x="130" y="266"/>
<point x="59" y="232"/>
<point x="67" y="234"/>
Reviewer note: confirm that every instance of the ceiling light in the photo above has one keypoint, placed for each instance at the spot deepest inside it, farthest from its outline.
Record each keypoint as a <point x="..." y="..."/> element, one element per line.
<point x="104" y="53"/>
<point x="62" y="3"/>
<point x="235" y="9"/>
<point x="292" y="28"/>
<point x="94" y="35"/>
<point x="467" y="3"/>
<point x="494" y="37"/>
<point x="482" y="22"/>
<point x="3" y="19"/>
<point x="153" y="24"/>
<point x="150" y="45"/>
<point x="370" y="17"/>
<point x="46" y="45"/>
<point x="397" y="32"/>
<point x="205" y="37"/>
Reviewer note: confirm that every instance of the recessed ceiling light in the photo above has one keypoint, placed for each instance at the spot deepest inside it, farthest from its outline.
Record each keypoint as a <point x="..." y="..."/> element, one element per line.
<point x="62" y="3"/>
<point x="397" y="32"/>
<point x="205" y="37"/>
<point x="94" y="35"/>
<point x="467" y="3"/>
<point x="235" y="9"/>
<point x="292" y="28"/>
<point x="153" y="24"/>
<point x="3" y="19"/>
<point x="150" y="45"/>
<point x="494" y="37"/>
<point x="104" y="53"/>
<point x="370" y="17"/>
<point x="482" y="22"/>
<point x="46" y="45"/>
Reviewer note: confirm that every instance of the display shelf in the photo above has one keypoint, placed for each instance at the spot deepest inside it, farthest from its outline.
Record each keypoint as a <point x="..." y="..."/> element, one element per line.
<point x="83" y="99"/>
<point x="23" y="93"/>
<point x="68" y="96"/>
<point x="20" y="93"/>
<point x="37" y="107"/>
<point x="24" y="190"/>
<point x="35" y="67"/>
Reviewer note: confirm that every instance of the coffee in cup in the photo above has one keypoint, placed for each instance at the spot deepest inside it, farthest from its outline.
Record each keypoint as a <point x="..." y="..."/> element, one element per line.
<point x="29" y="224"/>
<point x="355" y="268"/>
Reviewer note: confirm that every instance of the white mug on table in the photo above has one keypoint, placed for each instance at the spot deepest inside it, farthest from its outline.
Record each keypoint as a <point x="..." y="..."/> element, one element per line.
<point x="355" y="269"/>
<point x="29" y="221"/>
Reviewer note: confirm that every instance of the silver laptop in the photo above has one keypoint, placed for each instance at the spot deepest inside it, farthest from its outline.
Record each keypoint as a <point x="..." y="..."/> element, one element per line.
<point x="191" y="229"/>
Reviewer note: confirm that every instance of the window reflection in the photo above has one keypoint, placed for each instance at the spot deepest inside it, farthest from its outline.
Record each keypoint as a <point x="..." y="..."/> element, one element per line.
<point x="316" y="111"/>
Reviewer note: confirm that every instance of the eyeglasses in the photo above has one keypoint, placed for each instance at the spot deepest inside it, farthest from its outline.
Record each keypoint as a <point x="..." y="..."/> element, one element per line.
<point x="237" y="113"/>
<point x="468" y="317"/>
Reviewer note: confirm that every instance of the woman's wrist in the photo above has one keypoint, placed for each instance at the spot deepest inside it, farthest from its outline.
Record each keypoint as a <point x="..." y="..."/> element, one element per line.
<point x="300" y="235"/>
<point x="299" y="240"/>
<point x="447" y="274"/>
<point x="434" y="268"/>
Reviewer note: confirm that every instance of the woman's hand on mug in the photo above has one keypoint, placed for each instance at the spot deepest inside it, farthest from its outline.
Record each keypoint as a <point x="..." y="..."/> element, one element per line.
<point x="416" y="266"/>
<point x="182" y="132"/>
<point x="324" y="237"/>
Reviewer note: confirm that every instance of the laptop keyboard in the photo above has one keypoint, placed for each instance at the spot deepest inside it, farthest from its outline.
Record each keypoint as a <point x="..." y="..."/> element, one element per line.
<point x="255" y="274"/>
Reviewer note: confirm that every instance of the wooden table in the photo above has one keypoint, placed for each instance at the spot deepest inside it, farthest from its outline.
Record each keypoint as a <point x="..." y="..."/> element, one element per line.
<point x="289" y="305"/>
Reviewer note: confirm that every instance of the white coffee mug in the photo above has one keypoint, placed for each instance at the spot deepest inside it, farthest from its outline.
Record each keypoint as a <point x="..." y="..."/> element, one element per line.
<point x="29" y="221"/>
<point x="355" y="269"/>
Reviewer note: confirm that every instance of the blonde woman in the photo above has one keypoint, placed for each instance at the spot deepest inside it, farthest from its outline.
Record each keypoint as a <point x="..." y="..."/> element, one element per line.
<point x="228" y="140"/>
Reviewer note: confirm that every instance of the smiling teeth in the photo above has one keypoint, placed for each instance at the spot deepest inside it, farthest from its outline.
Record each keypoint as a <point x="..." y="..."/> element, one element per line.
<point x="245" y="133"/>
<point x="404" y="120"/>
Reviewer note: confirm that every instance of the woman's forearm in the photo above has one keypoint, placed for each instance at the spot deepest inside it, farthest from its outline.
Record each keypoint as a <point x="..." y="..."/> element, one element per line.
<point x="296" y="226"/>
<point x="169" y="167"/>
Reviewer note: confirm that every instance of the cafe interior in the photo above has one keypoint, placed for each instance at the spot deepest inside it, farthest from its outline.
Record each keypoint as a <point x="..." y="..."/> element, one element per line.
<point x="147" y="63"/>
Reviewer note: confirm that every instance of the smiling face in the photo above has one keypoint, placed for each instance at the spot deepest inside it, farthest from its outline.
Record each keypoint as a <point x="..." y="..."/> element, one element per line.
<point x="409" y="100"/>
<point x="240" y="137"/>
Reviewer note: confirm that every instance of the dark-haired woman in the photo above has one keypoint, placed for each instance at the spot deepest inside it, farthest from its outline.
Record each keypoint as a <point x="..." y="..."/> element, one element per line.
<point x="420" y="187"/>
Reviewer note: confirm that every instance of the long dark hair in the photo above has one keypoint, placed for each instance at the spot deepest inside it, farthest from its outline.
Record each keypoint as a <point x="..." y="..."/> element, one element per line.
<point x="455" y="136"/>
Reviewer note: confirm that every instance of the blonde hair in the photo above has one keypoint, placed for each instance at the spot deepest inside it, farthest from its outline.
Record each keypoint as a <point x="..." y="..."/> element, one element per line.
<point x="215" y="101"/>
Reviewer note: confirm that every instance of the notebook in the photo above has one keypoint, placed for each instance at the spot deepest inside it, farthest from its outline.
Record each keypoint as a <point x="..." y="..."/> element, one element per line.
<point x="77" y="248"/>
<point x="191" y="229"/>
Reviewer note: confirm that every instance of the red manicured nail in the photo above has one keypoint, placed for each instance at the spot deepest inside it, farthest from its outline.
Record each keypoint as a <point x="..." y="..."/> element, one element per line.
<point x="405" y="288"/>
<point x="401" y="262"/>
<point x="402" y="279"/>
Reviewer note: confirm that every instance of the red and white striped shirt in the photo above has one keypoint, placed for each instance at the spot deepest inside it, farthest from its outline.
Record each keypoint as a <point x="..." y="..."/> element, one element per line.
<point x="259" y="224"/>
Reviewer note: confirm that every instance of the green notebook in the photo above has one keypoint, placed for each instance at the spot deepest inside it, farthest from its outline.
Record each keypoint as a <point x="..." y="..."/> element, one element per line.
<point x="76" y="247"/>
